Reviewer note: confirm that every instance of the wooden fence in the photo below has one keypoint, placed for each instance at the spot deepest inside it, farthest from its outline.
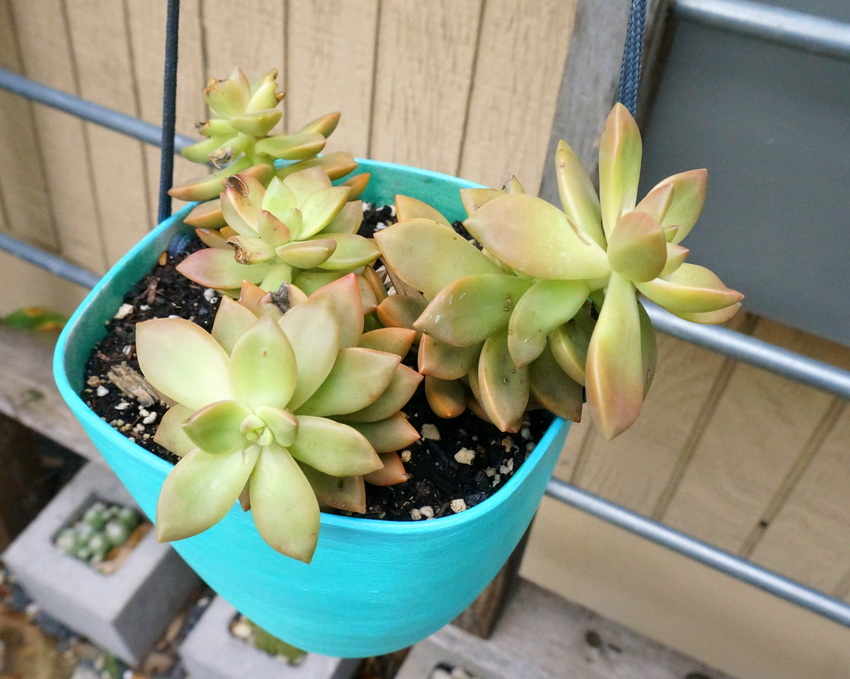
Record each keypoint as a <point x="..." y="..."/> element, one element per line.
<point x="748" y="461"/>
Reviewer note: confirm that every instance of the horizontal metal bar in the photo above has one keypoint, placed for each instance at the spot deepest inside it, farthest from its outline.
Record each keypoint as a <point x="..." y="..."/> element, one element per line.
<point x="754" y="351"/>
<point x="778" y="25"/>
<point x="741" y="569"/>
<point x="87" y="110"/>
<point x="52" y="263"/>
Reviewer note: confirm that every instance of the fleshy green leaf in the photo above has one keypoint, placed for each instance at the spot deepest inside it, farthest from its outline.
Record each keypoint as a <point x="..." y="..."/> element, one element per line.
<point x="183" y="361"/>
<point x="503" y="385"/>
<point x="342" y="492"/>
<point x="392" y="340"/>
<point x="299" y="146"/>
<point x="306" y="254"/>
<point x="615" y="371"/>
<point x="351" y="252"/>
<point x="689" y="190"/>
<point x="392" y="400"/>
<point x="282" y="423"/>
<point x="231" y="320"/>
<point x="577" y="193"/>
<point x="537" y="239"/>
<point x="262" y="368"/>
<point x="547" y="305"/>
<point x="333" y="448"/>
<point x="216" y="268"/>
<point x="447" y="398"/>
<point x="389" y="435"/>
<point x="429" y="256"/>
<point x="283" y="505"/>
<point x="200" y="490"/>
<point x="216" y="428"/>
<point x="169" y="431"/>
<point x="472" y="308"/>
<point x="344" y="296"/>
<point x="554" y="389"/>
<point x="690" y="289"/>
<point x="390" y="474"/>
<point x="569" y="344"/>
<point x="407" y="208"/>
<point x="445" y="361"/>
<point x="313" y="333"/>
<point x="357" y="379"/>
<point x="620" y="151"/>
<point x="637" y="248"/>
<point x="320" y="208"/>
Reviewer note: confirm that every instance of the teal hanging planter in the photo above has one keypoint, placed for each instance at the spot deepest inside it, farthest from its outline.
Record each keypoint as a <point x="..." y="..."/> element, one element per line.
<point x="373" y="586"/>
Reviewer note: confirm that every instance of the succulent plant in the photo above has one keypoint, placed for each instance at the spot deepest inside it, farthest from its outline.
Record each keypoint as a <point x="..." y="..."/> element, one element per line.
<point x="238" y="139"/>
<point x="551" y="298"/>
<point x="297" y="224"/>
<point x="281" y="410"/>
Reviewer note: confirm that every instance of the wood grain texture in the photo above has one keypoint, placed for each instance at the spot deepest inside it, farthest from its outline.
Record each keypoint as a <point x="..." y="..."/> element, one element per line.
<point x="250" y="35"/>
<point x="806" y="540"/>
<point x="25" y="212"/>
<point x="426" y="55"/>
<point x="514" y="91"/>
<point x="634" y="469"/>
<point x="29" y="395"/>
<point x="757" y="432"/>
<point x="103" y="58"/>
<point x="147" y="41"/>
<point x="330" y="65"/>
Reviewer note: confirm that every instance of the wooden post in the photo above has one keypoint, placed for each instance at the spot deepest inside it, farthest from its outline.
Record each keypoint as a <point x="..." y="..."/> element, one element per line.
<point x="19" y="472"/>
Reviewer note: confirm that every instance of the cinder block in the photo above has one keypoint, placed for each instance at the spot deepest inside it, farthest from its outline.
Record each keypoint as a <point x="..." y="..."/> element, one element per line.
<point x="124" y="612"/>
<point x="210" y="651"/>
<point x="542" y="636"/>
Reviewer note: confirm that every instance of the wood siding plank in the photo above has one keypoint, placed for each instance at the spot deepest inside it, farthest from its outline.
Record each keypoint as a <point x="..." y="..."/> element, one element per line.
<point x="147" y="41"/>
<point x="757" y="432"/>
<point x="330" y="66"/>
<point x="634" y="469"/>
<point x="518" y="72"/>
<point x="25" y="213"/>
<point x="102" y="55"/>
<point x="47" y="58"/>
<point x="426" y="54"/>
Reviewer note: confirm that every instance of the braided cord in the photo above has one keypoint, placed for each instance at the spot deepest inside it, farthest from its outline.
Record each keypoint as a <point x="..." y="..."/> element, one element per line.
<point x="632" y="51"/>
<point x="169" y="103"/>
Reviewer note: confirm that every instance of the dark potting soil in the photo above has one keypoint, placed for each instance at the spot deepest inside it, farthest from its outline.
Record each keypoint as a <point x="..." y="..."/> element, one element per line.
<point x="456" y="464"/>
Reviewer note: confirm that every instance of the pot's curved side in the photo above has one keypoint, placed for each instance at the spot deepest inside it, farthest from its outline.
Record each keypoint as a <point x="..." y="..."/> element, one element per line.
<point x="373" y="586"/>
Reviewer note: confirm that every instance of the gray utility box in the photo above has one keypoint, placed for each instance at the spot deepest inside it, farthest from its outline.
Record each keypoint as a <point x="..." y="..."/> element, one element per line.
<point x="771" y="123"/>
<point x="210" y="651"/>
<point x="125" y="612"/>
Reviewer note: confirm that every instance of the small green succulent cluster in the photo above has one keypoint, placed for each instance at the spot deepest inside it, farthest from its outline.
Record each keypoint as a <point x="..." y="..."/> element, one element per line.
<point x="300" y="229"/>
<point x="103" y="527"/>
<point x="278" y="410"/>
<point x="238" y="139"/>
<point x="549" y="304"/>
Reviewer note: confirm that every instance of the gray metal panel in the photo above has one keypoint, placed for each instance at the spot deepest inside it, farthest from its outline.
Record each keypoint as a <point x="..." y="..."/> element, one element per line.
<point x="772" y="125"/>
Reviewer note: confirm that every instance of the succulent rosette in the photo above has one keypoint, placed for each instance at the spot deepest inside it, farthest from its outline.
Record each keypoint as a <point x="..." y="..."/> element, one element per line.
<point x="280" y="410"/>
<point x="297" y="224"/>
<point x="515" y="313"/>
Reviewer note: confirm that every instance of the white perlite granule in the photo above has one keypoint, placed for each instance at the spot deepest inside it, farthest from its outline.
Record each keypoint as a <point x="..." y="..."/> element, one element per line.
<point x="458" y="505"/>
<point x="430" y="431"/>
<point x="464" y="456"/>
<point x="427" y="511"/>
<point x="123" y="311"/>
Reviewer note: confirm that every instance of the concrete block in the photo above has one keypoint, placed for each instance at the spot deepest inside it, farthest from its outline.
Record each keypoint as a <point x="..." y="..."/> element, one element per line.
<point x="125" y="612"/>
<point x="210" y="651"/>
<point x="542" y="636"/>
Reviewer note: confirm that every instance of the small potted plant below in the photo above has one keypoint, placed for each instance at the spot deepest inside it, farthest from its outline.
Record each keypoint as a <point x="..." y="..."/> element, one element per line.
<point x="294" y="401"/>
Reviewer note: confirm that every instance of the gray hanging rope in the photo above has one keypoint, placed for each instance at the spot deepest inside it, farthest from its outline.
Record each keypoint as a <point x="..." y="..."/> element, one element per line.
<point x="169" y="105"/>
<point x="632" y="52"/>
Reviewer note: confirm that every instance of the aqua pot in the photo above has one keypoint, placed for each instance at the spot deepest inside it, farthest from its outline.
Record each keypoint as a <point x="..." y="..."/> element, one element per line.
<point x="373" y="586"/>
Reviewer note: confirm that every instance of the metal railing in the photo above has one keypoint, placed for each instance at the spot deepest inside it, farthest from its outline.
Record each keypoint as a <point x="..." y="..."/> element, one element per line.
<point x="795" y="29"/>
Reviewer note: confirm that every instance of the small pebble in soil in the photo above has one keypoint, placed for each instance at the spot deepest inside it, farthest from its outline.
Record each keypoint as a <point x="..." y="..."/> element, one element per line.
<point x="465" y="456"/>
